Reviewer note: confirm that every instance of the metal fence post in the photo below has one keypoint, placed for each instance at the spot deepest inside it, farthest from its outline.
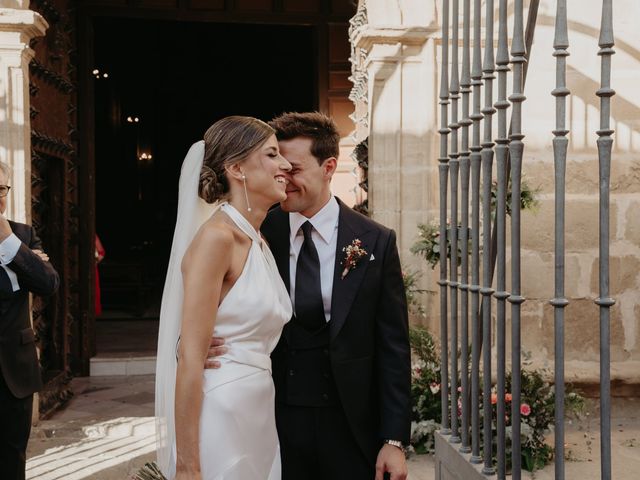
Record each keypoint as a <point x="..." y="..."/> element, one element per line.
<point x="559" y="302"/>
<point x="486" y="290"/>
<point x="443" y="170"/>
<point x="516" y="148"/>
<point x="476" y="75"/>
<point x="465" y="122"/>
<point x="501" y="149"/>
<point x="454" y="95"/>
<point x="605" y="302"/>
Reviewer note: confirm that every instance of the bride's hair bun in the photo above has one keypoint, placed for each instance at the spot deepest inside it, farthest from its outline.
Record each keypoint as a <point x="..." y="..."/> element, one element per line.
<point x="210" y="188"/>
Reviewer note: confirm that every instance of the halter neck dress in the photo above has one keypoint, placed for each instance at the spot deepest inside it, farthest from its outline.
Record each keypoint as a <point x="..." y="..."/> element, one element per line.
<point x="238" y="437"/>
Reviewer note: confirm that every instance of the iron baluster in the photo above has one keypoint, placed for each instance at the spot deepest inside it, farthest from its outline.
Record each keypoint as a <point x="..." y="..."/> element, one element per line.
<point x="604" y="300"/>
<point x="559" y="302"/>
<point x="454" y="95"/>
<point x="501" y="105"/>
<point x="486" y="290"/>
<point x="443" y="172"/>
<point x="465" y="122"/>
<point x="476" y="75"/>
<point x="516" y="147"/>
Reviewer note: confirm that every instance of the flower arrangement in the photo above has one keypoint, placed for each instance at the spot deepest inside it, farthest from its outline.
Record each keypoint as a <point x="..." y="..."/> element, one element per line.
<point x="353" y="254"/>
<point x="537" y="416"/>
<point x="537" y="406"/>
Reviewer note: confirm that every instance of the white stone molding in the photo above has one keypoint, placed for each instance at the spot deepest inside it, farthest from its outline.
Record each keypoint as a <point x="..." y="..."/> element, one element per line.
<point x="392" y="66"/>
<point x="17" y="28"/>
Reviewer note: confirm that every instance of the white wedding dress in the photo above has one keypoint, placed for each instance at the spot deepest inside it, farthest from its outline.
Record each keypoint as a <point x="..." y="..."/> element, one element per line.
<point x="238" y="437"/>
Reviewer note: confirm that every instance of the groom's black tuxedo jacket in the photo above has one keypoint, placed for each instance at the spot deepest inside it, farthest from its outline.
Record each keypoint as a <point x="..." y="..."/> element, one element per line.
<point x="18" y="358"/>
<point x="369" y="342"/>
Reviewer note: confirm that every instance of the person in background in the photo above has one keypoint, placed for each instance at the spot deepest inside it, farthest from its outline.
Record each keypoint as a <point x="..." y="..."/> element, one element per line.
<point x="25" y="269"/>
<point x="100" y="253"/>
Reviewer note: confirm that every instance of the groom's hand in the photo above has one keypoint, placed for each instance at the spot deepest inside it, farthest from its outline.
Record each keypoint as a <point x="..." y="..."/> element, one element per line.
<point x="391" y="460"/>
<point x="216" y="349"/>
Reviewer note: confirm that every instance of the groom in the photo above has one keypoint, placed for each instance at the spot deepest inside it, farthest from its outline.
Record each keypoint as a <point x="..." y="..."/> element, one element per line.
<point x="342" y="366"/>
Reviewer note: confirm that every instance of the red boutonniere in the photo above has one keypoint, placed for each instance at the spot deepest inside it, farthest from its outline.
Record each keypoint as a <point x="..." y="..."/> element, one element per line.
<point x="353" y="254"/>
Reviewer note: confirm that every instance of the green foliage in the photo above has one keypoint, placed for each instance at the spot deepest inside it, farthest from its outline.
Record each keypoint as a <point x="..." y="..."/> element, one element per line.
<point x="428" y="244"/>
<point x="539" y="396"/>
<point x="425" y="389"/>
<point x="410" y="278"/>
<point x="537" y="404"/>
<point x="537" y="417"/>
<point x="528" y="197"/>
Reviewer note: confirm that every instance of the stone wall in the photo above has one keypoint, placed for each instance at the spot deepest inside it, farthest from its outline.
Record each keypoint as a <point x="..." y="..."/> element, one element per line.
<point x="582" y="270"/>
<point x="403" y="112"/>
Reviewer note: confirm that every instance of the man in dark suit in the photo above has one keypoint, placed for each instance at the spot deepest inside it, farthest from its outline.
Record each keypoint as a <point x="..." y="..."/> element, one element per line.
<point x="24" y="268"/>
<point x="342" y="366"/>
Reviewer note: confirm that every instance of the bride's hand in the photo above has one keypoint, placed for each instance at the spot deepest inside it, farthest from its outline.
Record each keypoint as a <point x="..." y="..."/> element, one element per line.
<point x="187" y="474"/>
<point x="216" y="349"/>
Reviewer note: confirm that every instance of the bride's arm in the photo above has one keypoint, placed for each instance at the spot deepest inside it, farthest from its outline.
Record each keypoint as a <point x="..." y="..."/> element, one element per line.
<point x="204" y="267"/>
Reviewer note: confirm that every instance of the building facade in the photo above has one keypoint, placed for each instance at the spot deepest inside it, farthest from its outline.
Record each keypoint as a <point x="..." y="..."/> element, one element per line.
<point x="395" y="52"/>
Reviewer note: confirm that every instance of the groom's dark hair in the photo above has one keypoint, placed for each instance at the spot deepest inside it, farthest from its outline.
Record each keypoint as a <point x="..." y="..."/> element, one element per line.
<point x="316" y="126"/>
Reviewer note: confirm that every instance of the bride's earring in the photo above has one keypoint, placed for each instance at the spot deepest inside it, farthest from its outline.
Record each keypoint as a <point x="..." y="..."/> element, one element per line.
<point x="246" y="195"/>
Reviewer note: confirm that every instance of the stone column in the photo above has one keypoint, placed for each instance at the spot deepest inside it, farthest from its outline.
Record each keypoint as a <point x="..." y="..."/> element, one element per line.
<point x="18" y="26"/>
<point x="398" y="46"/>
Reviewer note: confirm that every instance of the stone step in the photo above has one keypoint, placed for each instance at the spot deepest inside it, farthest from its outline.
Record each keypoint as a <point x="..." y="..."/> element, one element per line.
<point x="101" y="366"/>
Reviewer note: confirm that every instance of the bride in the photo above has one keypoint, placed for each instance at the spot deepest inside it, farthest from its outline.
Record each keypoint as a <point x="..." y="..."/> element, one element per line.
<point x="222" y="280"/>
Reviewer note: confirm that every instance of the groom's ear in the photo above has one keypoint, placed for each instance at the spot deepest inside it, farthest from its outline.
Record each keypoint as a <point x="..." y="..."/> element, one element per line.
<point x="329" y="167"/>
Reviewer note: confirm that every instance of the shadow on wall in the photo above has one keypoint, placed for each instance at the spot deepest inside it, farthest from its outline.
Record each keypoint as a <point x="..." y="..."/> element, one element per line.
<point x="584" y="105"/>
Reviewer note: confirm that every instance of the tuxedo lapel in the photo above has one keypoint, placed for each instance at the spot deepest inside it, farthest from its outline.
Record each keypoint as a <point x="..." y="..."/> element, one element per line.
<point x="350" y="227"/>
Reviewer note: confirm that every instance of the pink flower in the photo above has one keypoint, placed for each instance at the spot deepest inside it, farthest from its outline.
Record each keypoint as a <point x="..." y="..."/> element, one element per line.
<point x="434" y="387"/>
<point x="494" y="398"/>
<point x="525" y="410"/>
<point x="507" y="397"/>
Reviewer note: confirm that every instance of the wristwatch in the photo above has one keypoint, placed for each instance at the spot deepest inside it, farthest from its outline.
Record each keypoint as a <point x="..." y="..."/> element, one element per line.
<point x="396" y="443"/>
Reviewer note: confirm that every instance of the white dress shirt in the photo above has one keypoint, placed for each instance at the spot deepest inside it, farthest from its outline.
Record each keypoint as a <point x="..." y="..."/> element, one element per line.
<point x="8" y="249"/>
<point x="325" y="237"/>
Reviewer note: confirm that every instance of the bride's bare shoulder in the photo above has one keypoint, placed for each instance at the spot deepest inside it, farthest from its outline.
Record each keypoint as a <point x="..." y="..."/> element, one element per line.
<point x="213" y="242"/>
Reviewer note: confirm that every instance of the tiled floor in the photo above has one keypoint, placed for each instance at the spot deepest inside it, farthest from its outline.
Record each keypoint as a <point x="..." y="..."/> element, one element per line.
<point x="107" y="432"/>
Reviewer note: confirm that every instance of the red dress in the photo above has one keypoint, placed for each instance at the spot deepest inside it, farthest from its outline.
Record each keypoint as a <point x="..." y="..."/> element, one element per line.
<point x="99" y="253"/>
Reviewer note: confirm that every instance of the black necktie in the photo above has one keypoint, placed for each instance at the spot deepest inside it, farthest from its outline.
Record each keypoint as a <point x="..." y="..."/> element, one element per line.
<point x="308" y="301"/>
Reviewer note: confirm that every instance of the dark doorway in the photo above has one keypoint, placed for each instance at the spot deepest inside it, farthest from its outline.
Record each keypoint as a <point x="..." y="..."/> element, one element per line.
<point x="158" y="86"/>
